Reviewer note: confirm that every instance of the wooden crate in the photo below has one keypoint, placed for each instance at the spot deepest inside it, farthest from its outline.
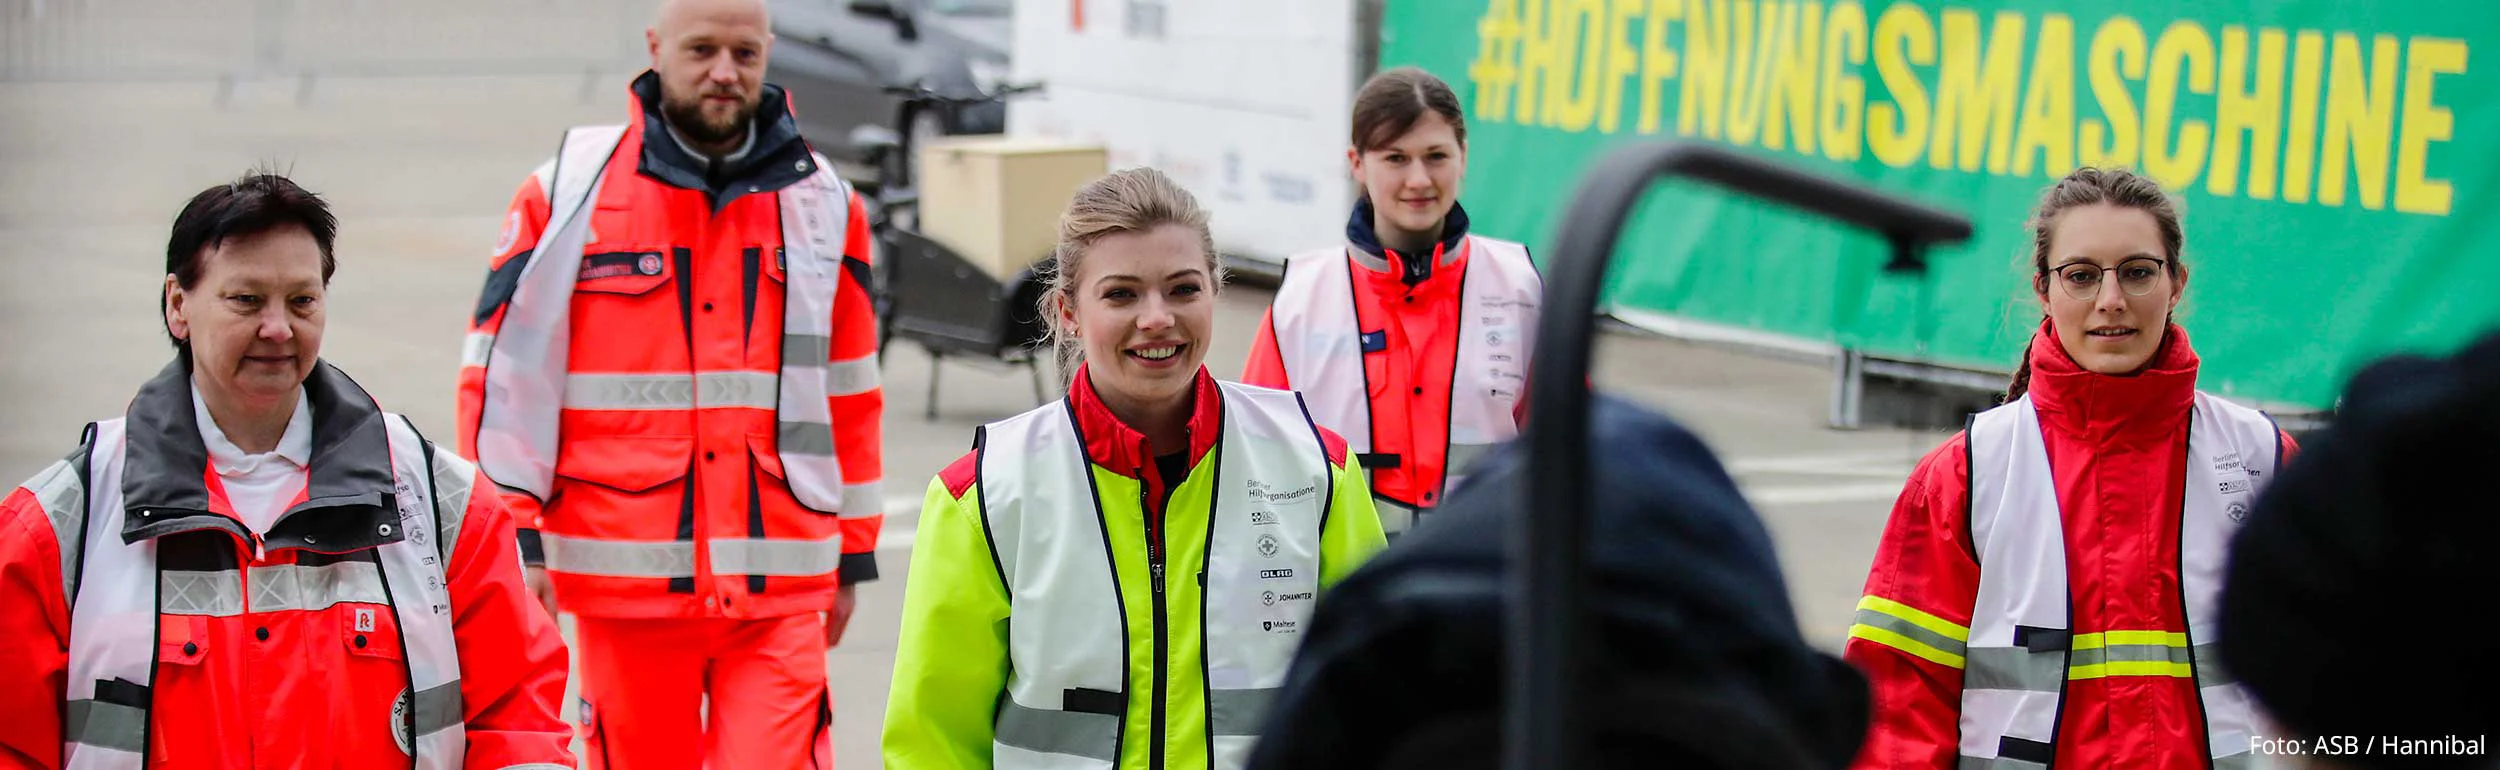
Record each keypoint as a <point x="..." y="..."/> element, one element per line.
<point x="997" y="199"/>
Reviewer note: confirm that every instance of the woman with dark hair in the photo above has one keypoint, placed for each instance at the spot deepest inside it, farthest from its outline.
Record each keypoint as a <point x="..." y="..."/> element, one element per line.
<point x="1412" y="338"/>
<point x="2045" y="590"/>
<point x="294" y="575"/>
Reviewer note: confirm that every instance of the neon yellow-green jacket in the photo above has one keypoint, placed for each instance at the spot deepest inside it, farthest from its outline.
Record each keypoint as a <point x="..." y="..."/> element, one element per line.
<point x="951" y="668"/>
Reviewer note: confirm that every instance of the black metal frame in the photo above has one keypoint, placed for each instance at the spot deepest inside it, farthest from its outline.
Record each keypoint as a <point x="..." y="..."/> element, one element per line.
<point x="1549" y="529"/>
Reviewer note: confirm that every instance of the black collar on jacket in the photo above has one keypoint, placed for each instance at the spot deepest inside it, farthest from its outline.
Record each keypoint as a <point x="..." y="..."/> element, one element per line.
<point x="351" y="505"/>
<point x="1366" y="242"/>
<point x="779" y="158"/>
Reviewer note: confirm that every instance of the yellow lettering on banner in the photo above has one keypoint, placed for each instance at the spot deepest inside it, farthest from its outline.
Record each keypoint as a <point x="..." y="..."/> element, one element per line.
<point x="1539" y="55"/>
<point x="2257" y="111"/>
<point x="2425" y="122"/>
<point x="2300" y="149"/>
<point x="1748" y="79"/>
<point x="2183" y="45"/>
<point x="1496" y="68"/>
<point x="1756" y="66"/>
<point x="1981" y="92"/>
<point x="1791" y="111"/>
<point x="2359" y="117"/>
<point x="1622" y="61"/>
<point x="1896" y="130"/>
<point x="2049" y="101"/>
<point x="1658" y="60"/>
<point x="2117" y="57"/>
<point x="1581" y="26"/>
<point x="1705" y="67"/>
<point x="1844" y="93"/>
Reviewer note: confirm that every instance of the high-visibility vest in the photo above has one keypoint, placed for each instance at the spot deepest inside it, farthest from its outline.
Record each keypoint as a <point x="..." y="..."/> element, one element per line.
<point x="116" y="594"/>
<point x="529" y="384"/>
<point x="2022" y="648"/>
<point x="1321" y="343"/>
<point x="1069" y="677"/>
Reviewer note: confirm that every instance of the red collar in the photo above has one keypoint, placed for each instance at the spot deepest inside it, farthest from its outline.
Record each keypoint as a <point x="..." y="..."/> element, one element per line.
<point x="2149" y="404"/>
<point x="1112" y="444"/>
<point x="1387" y="274"/>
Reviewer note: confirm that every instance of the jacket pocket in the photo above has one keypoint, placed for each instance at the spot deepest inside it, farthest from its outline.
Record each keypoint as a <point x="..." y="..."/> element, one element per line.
<point x="371" y="700"/>
<point x="369" y="631"/>
<point x="627" y="487"/>
<point x="182" y="640"/>
<point x="628" y="464"/>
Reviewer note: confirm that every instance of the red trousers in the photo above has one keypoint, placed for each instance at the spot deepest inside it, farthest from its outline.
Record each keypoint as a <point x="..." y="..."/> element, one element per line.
<point x="645" y="683"/>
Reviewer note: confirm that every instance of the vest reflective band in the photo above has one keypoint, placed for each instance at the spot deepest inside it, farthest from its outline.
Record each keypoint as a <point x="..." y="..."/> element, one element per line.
<point x="1068" y="684"/>
<point x="528" y="381"/>
<point x="2021" y="649"/>
<point x="114" y="609"/>
<point x="1320" y="339"/>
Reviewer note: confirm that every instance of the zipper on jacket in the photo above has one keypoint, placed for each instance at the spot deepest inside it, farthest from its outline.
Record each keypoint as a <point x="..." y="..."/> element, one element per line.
<point x="1154" y="563"/>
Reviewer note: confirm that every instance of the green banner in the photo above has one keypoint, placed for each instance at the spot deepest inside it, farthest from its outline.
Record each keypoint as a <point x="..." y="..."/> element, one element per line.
<point x="2326" y="154"/>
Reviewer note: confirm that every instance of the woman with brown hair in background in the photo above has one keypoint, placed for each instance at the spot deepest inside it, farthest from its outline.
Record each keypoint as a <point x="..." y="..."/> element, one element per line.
<point x="1412" y="338"/>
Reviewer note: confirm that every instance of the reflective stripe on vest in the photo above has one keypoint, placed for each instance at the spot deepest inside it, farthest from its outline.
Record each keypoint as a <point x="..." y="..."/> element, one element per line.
<point x="2021" y="650"/>
<point x="675" y="558"/>
<point x="529" y="382"/>
<point x="1069" y="678"/>
<point x="1319" y="339"/>
<point x="112" y="656"/>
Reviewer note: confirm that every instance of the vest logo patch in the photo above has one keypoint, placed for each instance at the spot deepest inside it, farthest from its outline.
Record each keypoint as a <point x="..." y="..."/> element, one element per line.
<point x="1267" y="546"/>
<point x="511" y="234"/>
<point x="400" y="722"/>
<point x="1271" y="598"/>
<point x="1374" y="342"/>
<point x="2238" y="511"/>
<point x="1262" y="518"/>
<point x="2236" y="486"/>
<point x="620" y="264"/>
<point x="1278" y="627"/>
<point x="1275" y="574"/>
<point x="364" y="620"/>
<point x="1259" y="490"/>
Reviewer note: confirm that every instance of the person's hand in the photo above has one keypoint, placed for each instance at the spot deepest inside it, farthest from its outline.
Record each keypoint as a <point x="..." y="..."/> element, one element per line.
<point x="535" y="576"/>
<point x="838" y="619"/>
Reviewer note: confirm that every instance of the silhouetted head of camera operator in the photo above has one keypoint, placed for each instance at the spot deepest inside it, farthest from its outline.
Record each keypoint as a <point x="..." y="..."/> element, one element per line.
<point x="2355" y="598"/>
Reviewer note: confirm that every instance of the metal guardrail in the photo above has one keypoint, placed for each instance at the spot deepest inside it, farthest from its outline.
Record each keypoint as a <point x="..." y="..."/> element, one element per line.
<point x="175" y="40"/>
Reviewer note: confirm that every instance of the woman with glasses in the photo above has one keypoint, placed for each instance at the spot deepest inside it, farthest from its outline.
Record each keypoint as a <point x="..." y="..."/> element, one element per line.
<point x="2045" y="590"/>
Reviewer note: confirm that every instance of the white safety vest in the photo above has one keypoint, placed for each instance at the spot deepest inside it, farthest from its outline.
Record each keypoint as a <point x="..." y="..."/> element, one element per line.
<point x="528" y="381"/>
<point x="1322" y="346"/>
<point x="2023" y="649"/>
<point x="1068" y="683"/>
<point x="116" y="594"/>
